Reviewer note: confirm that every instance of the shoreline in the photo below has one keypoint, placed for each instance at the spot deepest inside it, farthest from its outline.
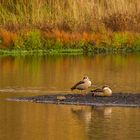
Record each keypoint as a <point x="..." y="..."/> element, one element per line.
<point x="79" y="51"/>
<point x="7" y="52"/>
<point x="24" y="42"/>
<point x="117" y="99"/>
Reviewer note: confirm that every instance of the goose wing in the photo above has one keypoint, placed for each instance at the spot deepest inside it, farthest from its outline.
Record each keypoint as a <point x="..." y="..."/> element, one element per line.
<point x="80" y="82"/>
<point x="97" y="90"/>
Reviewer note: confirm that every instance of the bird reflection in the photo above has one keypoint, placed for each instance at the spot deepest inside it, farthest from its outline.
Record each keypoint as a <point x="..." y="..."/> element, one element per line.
<point x="103" y="111"/>
<point x="87" y="113"/>
<point x="82" y="113"/>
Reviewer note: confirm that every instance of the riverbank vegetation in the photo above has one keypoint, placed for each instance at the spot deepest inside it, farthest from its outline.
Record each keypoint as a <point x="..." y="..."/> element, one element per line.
<point x="80" y="25"/>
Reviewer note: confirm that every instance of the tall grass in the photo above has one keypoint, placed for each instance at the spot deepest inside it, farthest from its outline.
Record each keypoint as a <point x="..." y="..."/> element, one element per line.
<point x="71" y="15"/>
<point x="88" y="25"/>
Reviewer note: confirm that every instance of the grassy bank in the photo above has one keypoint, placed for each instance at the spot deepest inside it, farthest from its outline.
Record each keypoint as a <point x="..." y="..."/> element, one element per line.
<point x="40" y="52"/>
<point x="58" y="26"/>
<point x="56" y="41"/>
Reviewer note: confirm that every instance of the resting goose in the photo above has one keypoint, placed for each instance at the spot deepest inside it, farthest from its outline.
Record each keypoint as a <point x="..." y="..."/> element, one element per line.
<point x="104" y="91"/>
<point x="84" y="84"/>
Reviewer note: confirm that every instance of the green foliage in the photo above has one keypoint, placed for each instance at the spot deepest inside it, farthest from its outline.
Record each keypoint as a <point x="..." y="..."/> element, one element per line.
<point x="33" y="40"/>
<point x="119" y="40"/>
<point x="87" y="47"/>
<point x="137" y="42"/>
<point x="30" y="41"/>
<point x="58" y="45"/>
<point x="48" y="43"/>
<point x="19" y="42"/>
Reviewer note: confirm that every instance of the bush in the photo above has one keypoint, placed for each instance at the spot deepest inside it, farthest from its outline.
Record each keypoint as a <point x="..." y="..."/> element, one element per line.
<point x="31" y="40"/>
<point x="119" y="40"/>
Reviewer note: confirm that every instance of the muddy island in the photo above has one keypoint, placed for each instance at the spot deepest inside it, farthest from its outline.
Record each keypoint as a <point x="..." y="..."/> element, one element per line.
<point x="117" y="99"/>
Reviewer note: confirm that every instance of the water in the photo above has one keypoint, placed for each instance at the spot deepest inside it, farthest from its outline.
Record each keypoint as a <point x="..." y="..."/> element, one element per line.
<point x="35" y="75"/>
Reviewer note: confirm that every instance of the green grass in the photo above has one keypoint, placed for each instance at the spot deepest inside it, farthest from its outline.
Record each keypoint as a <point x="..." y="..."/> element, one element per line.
<point x="68" y="51"/>
<point x="30" y="41"/>
<point x="40" y="52"/>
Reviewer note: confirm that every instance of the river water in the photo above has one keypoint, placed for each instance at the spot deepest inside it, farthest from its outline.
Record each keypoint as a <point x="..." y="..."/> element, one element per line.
<point x="39" y="75"/>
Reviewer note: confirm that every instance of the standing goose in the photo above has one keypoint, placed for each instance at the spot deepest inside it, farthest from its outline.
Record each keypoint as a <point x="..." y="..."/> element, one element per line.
<point x="104" y="91"/>
<point x="84" y="84"/>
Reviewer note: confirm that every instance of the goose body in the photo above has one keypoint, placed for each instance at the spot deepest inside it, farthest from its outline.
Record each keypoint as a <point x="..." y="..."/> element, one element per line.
<point x="104" y="91"/>
<point x="84" y="84"/>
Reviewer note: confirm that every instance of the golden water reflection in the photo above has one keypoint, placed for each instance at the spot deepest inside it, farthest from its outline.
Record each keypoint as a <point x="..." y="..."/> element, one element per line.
<point x="35" y="75"/>
<point x="32" y="121"/>
<point x="59" y="73"/>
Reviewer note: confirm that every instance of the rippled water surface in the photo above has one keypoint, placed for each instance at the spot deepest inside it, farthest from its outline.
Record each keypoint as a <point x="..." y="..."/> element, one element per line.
<point x="37" y="75"/>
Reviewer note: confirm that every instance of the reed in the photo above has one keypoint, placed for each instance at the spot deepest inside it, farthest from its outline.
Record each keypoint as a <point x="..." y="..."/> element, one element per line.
<point x="87" y="25"/>
<point x="71" y="15"/>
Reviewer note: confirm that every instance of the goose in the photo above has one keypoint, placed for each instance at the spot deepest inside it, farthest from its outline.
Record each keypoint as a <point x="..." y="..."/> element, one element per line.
<point x="104" y="91"/>
<point x="84" y="84"/>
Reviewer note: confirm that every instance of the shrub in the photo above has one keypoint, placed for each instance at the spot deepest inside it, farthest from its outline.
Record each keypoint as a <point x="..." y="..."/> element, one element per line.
<point x="33" y="40"/>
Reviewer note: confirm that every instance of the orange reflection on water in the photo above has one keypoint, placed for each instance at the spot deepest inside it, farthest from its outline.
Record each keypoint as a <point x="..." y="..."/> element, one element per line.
<point x="59" y="73"/>
<point x="40" y="121"/>
<point x="25" y="76"/>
